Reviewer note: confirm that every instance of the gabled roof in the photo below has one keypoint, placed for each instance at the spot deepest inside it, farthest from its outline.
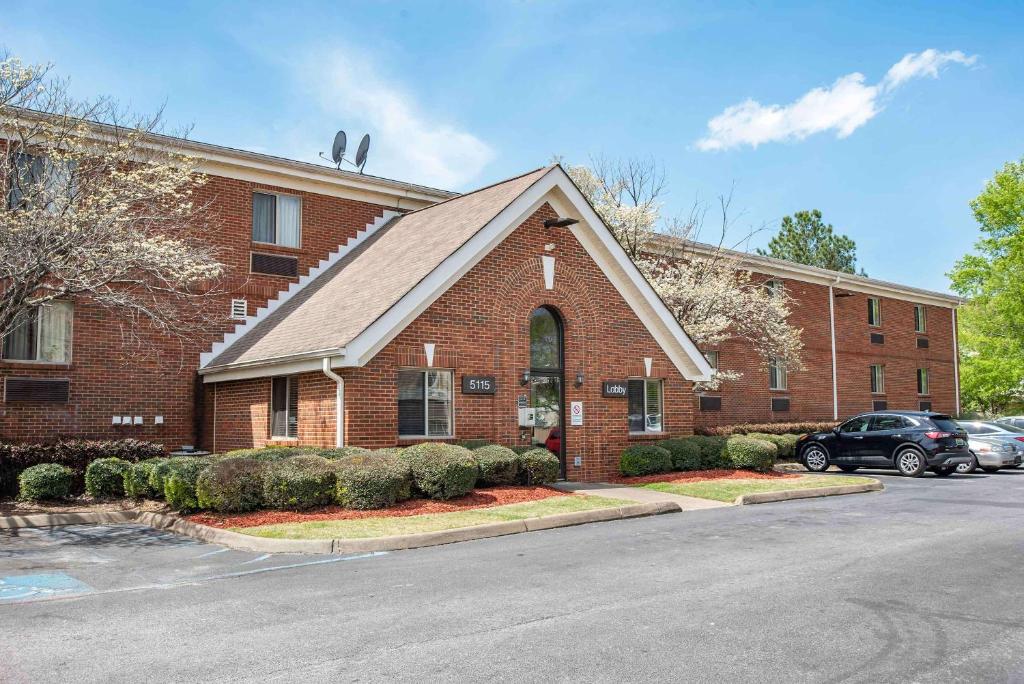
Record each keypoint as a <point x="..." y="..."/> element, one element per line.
<point x="357" y="304"/>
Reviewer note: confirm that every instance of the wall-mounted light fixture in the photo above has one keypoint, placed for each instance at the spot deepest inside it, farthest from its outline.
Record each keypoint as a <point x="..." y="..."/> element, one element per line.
<point x="579" y="379"/>
<point x="559" y="222"/>
<point x="524" y="378"/>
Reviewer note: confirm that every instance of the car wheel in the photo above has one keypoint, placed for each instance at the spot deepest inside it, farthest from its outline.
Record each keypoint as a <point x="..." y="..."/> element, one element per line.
<point x="848" y="469"/>
<point x="990" y="469"/>
<point x="945" y="471"/>
<point x="910" y="462"/>
<point x="816" y="459"/>
<point x="967" y="468"/>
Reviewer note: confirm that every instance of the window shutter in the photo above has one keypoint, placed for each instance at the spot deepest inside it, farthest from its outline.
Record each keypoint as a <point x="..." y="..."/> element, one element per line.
<point x="293" y="407"/>
<point x="635" y="394"/>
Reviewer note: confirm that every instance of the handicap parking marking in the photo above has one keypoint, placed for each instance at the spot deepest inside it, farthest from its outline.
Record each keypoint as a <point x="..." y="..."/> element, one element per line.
<point x="35" y="587"/>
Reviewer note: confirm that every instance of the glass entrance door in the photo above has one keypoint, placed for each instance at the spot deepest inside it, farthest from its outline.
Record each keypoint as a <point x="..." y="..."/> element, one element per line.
<point x="547" y="377"/>
<point x="546" y="400"/>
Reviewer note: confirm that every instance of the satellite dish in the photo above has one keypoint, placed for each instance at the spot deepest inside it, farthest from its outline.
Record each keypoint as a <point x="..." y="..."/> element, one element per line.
<point x="364" y="147"/>
<point x="338" y="149"/>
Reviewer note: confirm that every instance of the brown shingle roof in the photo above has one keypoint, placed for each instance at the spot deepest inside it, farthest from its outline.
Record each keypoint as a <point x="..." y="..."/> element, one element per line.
<point x="349" y="296"/>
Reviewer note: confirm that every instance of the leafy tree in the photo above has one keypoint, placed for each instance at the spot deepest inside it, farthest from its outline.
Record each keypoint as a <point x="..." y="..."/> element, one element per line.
<point x="806" y="239"/>
<point x="992" y="320"/>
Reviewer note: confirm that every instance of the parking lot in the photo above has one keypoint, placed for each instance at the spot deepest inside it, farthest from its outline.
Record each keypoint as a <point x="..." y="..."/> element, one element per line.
<point x="919" y="582"/>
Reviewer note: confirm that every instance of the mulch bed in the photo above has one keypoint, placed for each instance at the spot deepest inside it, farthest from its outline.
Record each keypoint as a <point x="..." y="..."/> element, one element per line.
<point x="694" y="475"/>
<point x="480" y="498"/>
<point x="81" y="504"/>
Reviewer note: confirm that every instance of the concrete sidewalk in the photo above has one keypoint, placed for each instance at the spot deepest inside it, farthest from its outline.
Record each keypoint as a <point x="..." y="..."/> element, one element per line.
<point x="614" y="491"/>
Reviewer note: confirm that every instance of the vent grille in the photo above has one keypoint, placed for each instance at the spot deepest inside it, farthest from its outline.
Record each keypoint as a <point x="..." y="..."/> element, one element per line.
<point x="273" y="264"/>
<point x="711" y="403"/>
<point x="880" y="405"/>
<point x="926" y="406"/>
<point x="922" y="342"/>
<point x="780" y="404"/>
<point x="877" y="338"/>
<point x="239" y="308"/>
<point x="34" y="389"/>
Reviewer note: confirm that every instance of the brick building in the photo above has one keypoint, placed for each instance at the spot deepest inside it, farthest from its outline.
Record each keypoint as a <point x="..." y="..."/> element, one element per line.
<point x="375" y="313"/>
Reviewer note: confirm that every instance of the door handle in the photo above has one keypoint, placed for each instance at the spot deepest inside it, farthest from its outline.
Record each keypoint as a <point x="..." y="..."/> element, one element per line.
<point x="857" y="437"/>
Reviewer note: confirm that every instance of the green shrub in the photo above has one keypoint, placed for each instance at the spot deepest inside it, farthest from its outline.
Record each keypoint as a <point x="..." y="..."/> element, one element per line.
<point x="711" y="452"/>
<point x="342" y="452"/>
<point x="498" y="465"/>
<point x="786" y="444"/>
<point x="685" y="453"/>
<point x="645" y="459"/>
<point x="441" y="471"/>
<point x="231" y="485"/>
<point x="158" y="476"/>
<point x="768" y="428"/>
<point x="747" y="453"/>
<point x="45" y="481"/>
<point x="269" y="453"/>
<point x="521" y="449"/>
<point x="180" y="481"/>
<point x="104" y="477"/>
<point x="538" y="466"/>
<point x="299" y="482"/>
<point x="473" y="444"/>
<point x="137" y="479"/>
<point x="371" y="480"/>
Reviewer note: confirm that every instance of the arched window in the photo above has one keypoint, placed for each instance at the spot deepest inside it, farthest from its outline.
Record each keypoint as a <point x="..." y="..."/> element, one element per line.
<point x="545" y="340"/>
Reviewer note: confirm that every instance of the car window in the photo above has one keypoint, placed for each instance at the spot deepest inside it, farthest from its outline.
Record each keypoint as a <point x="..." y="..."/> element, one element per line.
<point x="887" y="423"/>
<point x="1005" y="427"/>
<point x="858" y="424"/>
<point x="977" y="428"/>
<point x="945" y="423"/>
<point x="1019" y="422"/>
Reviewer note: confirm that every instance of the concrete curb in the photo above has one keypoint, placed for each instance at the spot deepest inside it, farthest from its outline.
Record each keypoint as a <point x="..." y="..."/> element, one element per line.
<point x="245" y="542"/>
<point x="791" y="494"/>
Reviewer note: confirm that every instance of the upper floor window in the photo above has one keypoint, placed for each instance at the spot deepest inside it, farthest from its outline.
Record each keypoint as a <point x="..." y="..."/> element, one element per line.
<point x="878" y="379"/>
<point x="276" y="219"/>
<point x="36" y="180"/>
<point x="284" y="407"/>
<point x="425" y="403"/>
<point x="920" y="319"/>
<point x="646" y="405"/>
<point x="712" y="357"/>
<point x="874" y="311"/>
<point x="922" y="381"/>
<point x="776" y="287"/>
<point x="43" y="335"/>
<point x="777" y="376"/>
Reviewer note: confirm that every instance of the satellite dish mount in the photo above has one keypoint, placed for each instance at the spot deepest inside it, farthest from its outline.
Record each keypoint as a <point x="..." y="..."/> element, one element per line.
<point x="338" y="151"/>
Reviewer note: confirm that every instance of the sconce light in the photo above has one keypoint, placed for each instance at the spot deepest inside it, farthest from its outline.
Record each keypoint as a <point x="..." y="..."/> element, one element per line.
<point x="579" y="379"/>
<point x="525" y="378"/>
<point x="560" y="222"/>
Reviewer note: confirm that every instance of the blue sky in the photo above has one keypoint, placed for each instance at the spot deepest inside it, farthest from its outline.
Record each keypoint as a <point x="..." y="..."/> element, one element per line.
<point x="458" y="95"/>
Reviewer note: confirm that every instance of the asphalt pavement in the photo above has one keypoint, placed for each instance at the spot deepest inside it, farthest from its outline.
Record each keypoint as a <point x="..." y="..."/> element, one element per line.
<point x="921" y="582"/>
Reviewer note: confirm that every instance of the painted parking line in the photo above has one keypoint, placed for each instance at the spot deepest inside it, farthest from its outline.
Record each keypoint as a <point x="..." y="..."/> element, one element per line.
<point x="257" y="559"/>
<point x="213" y="553"/>
<point x="41" y="586"/>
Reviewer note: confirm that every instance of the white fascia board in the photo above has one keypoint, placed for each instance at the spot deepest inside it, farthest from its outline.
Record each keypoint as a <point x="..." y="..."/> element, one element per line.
<point x="264" y="370"/>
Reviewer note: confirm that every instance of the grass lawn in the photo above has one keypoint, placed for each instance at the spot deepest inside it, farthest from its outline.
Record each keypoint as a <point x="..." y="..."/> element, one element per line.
<point x="728" y="490"/>
<point x="363" y="528"/>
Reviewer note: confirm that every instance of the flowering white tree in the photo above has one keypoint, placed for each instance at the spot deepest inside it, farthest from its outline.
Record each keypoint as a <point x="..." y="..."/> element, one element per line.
<point x="705" y="286"/>
<point x="96" y="210"/>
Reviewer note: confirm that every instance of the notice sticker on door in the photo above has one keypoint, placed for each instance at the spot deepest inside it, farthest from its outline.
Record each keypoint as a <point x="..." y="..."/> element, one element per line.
<point x="576" y="413"/>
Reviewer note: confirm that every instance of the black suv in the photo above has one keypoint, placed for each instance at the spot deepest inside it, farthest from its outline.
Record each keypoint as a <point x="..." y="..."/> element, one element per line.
<point x="909" y="441"/>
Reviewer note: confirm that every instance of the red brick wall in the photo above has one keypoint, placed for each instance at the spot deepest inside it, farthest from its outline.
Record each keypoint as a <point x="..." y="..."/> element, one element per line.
<point x="156" y="376"/>
<point x="481" y="327"/>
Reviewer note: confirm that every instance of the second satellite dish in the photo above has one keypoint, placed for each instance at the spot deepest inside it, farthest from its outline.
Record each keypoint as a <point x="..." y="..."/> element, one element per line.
<point x="364" y="147"/>
<point x="338" y="150"/>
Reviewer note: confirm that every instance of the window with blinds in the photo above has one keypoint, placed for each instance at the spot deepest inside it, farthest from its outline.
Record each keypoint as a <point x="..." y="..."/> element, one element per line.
<point x="276" y="219"/>
<point x="425" y="399"/>
<point x="43" y="334"/>
<point x="284" y="408"/>
<point x="645" y="399"/>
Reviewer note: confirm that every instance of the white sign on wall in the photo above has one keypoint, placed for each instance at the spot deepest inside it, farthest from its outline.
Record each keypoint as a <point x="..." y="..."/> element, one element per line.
<point x="576" y="413"/>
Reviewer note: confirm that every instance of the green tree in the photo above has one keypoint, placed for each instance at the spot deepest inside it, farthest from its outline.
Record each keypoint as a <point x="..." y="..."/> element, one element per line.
<point x="992" y="319"/>
<point x="806" y="239"/>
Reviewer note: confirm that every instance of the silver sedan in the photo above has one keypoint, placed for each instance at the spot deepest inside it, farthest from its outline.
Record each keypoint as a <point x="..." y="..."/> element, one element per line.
<point x="993" y="445"/>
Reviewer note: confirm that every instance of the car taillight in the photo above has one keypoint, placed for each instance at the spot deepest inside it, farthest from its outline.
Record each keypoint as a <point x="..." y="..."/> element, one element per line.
<point x="937" y="435"/>
<point x="1019" y="439"/>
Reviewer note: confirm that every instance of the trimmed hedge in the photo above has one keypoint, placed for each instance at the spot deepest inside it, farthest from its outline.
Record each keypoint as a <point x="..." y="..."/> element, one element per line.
<point x="180" y="481"/>
<point x="538" y="466"/>
<point x="441" y="471"/>
<point x="711" y="452"/>
<point x="269" y="453"/>
<point x="644" y="459"/>
<point x="786" y="444"/>
<point x="231" y="485"/>
<point x="45" y="481"/>
<point x="767" y="428"/>
<point x="498" y="465"/>
<point x="104" y="477"/>
<point x="342" y="452"/>
<point x="473" y="444"/>
<point x="685" y="453"/>
<point x="137" y="479"/>
<point x="299" y="482"/>
<point x="371" y="480"/>
<point x="747" y="453"/>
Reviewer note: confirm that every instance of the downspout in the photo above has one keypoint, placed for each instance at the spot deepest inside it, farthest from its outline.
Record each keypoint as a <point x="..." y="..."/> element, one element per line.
<point x="956" y="364"/>
<point x="832" y="330"/>
<point x="339" y="404"/>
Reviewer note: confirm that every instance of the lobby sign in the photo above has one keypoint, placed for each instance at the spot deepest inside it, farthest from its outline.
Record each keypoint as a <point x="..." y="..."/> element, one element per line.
<point x="478" y="384"/>
<point x="613" y="388"/>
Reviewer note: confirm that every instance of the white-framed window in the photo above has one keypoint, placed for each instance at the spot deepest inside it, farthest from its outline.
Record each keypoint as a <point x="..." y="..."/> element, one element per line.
<point x="276" y="219"/>
<point x="646" y="405"/>
<point x="43" y="335"/>
<point x="778" y="378"/>
<point x="920" y="319"/>
<point x="425" y="400"/>
<point x="284" y="407"/>
<point x="922" y="381"/>
<point x="877" y="379"/>
<point x="712" y="356"/>
<point x="874" y="311"/>
<point x="36" y="178"/>
<point x="777" y="288"/>
<point x="239" y="309"/>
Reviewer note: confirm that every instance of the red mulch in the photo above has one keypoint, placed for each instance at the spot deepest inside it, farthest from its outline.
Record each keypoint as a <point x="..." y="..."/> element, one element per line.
<point x="692" y="475"/>
<point x="480" y="498"/>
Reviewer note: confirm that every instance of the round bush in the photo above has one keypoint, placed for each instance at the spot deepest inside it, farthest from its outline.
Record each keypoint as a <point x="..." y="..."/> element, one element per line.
<point x="137" y="479"/>
<point x="45" y="481"/>
<point x="180" y="481"/>
<point x="747" y="453"/>
<point x="712" y="452"/>
<point x="645" y="459"/>
<point x="270" y="453"/>
<point x="498" y="465"/>
<point x="342" y="452"/>
<point x="158" y="476"/>
<point x="685" y="453"/>
<point x="299" y="482"/>
<point x="371" y="480"/>
<point x="786" y="444"/>
<point x="104" y="477"/>
<point x="231" y="485"/>
<point x="538" y="466"/>
<point x="441" y="471"/>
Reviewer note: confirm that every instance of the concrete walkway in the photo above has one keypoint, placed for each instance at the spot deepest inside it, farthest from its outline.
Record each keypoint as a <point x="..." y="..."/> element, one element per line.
<point x="614" y="491"/>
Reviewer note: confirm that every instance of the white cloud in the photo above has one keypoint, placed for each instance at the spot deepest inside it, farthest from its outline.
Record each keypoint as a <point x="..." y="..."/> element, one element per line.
<point x="845" y="106"/>
<point x="406" y="143"/>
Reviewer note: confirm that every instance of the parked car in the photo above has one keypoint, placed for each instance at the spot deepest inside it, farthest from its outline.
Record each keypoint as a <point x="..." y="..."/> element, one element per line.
<point x="1016" y="421"/>
<point x="909" y="441"/>
<point x="993" y="445"/>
